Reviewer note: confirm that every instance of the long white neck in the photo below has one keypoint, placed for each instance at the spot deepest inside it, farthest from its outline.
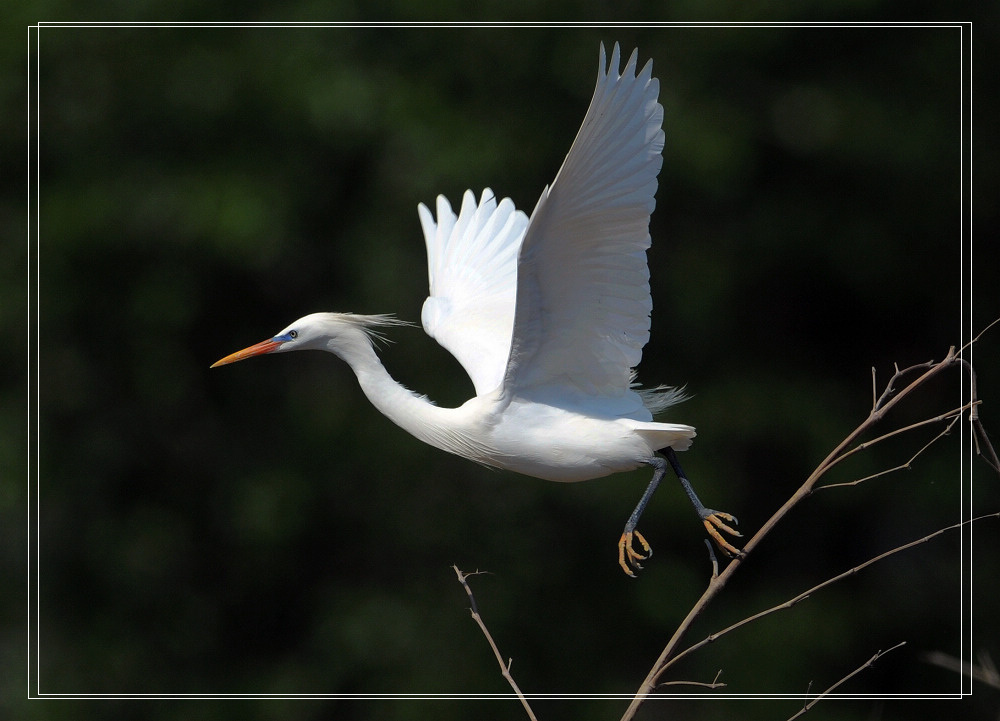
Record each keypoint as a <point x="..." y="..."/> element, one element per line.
<point x="440" y="427"/>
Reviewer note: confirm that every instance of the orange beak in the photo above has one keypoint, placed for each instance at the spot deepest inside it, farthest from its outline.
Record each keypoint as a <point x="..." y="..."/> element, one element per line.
<point x="266" y="346"/>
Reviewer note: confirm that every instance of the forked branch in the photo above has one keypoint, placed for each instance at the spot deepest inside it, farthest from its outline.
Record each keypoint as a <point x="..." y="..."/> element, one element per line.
<point x="504" y="667"/>
<point x="882" y="404"/>
<point x="820" y="586"/>
<point x="953" y="415"/>
<point x="867" y="664"/>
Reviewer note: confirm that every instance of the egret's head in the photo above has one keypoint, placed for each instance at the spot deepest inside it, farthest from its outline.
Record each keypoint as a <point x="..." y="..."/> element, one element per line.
<point x="311" y="331"/>
<point x="317" y="331"/>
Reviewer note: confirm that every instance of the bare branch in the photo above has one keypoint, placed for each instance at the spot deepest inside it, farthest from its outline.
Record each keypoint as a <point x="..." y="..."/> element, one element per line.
<point x="715" y="682"/>
<point x="890" y="386"/>
<point x="715" y="561"/>
<point x="828" y="582"/>
<point x="890" y="397"/>
<point x="930" y="369"/>
<point x="979" y="335"/>
<point x="986" y="450"/>
<point x="504" y="667"/>
<point x="984" y="447"/>
<point x="867" y="664"/>
<point x="954" y="415"/>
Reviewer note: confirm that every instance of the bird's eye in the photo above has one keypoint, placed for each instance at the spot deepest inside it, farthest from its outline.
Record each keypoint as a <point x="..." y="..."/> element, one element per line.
<point x="293" y="334"/>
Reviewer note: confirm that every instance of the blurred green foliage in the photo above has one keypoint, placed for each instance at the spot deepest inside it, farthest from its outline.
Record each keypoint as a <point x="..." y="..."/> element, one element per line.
<point x="260" y="529"/>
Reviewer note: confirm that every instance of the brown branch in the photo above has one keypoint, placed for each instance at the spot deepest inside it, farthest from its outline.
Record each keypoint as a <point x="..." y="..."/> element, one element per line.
<point x="882" y="405"/>
<point x="828" y="582"/>
<point x="954" y="415"/>
<point x="979" y="435"/>
<point x="714" y="683"/>
<point x="504" y="667"/>
<point x="890" y="386"/>
<point x="991" y="455"/>
<point x="867" y="664"/>
<point x="979" y="335"/>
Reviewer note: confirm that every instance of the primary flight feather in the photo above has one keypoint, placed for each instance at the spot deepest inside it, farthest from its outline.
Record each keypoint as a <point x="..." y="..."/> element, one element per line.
<point x="548" y="315"/>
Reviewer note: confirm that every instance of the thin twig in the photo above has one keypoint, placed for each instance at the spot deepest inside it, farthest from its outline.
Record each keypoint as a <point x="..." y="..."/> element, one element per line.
<point x="715" y="561"/>
<point x="890" y="388"/>
<point x="715" y="682"/>
<point x="979" y="335"/>
<point x="867" y="664"/>
<point x="955" y="415"/>
<point x="983" y="444"/>
<point x="828" y="582"/>
<point x="974" y="415"/>
<point x="991" y="455"/>
<point x="504" y="667"/>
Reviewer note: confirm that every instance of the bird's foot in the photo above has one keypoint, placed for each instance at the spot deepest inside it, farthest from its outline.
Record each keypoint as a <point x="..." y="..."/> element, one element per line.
<point x="715" y="521"/>
<point x="628" y="557"/>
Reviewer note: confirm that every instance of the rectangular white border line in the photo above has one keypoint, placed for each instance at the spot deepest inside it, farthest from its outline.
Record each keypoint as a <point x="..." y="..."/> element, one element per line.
<point x="33" y="336"/>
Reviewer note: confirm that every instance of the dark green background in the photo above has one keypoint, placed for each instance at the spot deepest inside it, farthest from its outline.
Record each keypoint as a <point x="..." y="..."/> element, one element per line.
<point x="261" y="529"/>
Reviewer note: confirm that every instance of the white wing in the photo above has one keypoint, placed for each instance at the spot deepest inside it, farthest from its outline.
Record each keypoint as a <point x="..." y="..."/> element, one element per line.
<point x="472" y="268"/>
<point x="583" y="303"/>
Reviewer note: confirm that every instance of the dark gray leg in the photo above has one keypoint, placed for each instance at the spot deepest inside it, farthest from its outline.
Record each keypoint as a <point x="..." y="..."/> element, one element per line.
<point x="628" y="557"/>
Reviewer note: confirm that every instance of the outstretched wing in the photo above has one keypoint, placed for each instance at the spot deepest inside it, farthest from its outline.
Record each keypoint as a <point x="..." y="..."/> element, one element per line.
<point x="583" y="303"/>
<point x="472" y="268"/>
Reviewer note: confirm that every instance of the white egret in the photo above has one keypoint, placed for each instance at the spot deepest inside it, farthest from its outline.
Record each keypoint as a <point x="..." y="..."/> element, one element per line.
<point x="548" y="315"/>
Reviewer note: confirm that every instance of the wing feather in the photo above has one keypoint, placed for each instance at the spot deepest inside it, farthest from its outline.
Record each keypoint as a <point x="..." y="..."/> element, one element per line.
<point x="583" y="304"/>
<point x="472" y="273"/>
